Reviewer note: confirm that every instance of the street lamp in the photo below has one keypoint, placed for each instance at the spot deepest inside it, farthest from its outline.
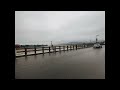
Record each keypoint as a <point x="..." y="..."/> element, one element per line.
<point x="96" y="38"/>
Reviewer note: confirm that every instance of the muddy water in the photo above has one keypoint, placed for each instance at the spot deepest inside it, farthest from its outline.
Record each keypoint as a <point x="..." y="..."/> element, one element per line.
<point x="86" y="63"/>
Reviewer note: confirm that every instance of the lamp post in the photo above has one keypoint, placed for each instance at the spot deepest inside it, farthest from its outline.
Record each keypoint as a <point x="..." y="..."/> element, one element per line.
<point x="96" y="38"/>
<point x="51" y="43"/>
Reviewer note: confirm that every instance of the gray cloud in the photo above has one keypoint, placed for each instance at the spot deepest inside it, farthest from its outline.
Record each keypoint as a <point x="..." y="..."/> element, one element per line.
<point x="41" y="27"/>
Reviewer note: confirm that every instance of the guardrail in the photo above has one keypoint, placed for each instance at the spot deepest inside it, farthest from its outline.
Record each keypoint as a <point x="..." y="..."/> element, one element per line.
<point x="54" y="49"/>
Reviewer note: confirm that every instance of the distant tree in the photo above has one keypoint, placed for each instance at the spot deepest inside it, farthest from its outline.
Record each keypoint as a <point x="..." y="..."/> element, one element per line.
<point x="17" y="46"/>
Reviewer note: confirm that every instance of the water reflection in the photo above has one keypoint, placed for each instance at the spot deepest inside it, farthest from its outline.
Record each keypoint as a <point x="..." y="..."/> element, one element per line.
<point x="26" y="58"/>
<point x="35" y="56"/>
<point x="49" y="54"/>
<point x="60" y="52"/>
<point x="43" y="55"/>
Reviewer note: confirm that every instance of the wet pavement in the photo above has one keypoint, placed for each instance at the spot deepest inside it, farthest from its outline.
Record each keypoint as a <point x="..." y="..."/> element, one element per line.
<point x="88" y="63"/>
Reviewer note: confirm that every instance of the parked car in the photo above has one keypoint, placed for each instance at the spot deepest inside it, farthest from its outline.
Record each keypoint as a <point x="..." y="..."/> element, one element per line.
<point x="97" y="45"/>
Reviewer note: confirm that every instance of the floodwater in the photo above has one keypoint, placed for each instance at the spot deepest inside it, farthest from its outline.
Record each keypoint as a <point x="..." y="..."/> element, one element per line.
<point x="88" y="63"/>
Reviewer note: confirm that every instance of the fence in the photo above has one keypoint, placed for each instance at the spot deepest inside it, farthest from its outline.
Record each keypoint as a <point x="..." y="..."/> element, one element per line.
<point x="34" y="51"/>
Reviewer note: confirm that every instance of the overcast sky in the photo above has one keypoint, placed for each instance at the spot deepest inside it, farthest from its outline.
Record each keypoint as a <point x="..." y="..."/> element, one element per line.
<point x="42" y="27"/>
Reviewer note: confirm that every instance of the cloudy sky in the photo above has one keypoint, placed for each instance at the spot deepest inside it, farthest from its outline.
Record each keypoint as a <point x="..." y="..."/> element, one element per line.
<point x="42" y="27"/>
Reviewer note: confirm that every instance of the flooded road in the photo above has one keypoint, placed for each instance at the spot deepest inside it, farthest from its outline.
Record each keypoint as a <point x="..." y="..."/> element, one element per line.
<point x="88" y="63"/>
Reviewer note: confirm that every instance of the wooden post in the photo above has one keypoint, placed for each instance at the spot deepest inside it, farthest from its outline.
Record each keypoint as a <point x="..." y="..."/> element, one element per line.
<point x="76" y="47"/>
<point x="49" y="49"/>
<point x="35" y="49"/>
<point x="70" y="47"/>
<point x="73" y="47"/>
<point x="55" y="49"/>
<point x="25" y="51"/>
<point x="59" y="48"/>
<point x="64" y="48"/>
<point x="67" y="48"/>
<point x="43" y="50"/>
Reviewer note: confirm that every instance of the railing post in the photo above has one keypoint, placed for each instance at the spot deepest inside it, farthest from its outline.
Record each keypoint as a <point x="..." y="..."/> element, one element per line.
<point x="59" y="48"/>
<point x="35" y="49"/>
<point x="76" y="47"/>
<point x="67" y="48"/>
<point x="43" y="50"/>
<point x="55" y="49"/>
<point x="64" y="48"/>
<point x="25" y="51"/>
<point x="70" y="47"/>
<point x="73" y="47"/>
<point x="49" y="49"/>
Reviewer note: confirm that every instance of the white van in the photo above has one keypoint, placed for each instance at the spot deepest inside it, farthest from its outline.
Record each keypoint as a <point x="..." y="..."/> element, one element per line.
<point x="97" y="45"/>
